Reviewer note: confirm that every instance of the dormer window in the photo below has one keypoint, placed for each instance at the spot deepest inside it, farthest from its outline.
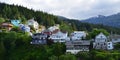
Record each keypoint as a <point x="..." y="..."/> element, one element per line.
<point x="101" y="37"/>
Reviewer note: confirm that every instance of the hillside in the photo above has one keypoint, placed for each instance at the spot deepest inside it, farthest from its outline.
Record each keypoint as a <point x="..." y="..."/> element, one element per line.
<point x="8" y="12"/>
<point x="112" y="20"/>
<point x="16" y="45"/>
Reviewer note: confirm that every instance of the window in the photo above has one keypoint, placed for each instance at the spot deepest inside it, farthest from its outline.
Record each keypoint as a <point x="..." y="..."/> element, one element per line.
<point x="98" y="43"/>
<point x="104" y="43"/>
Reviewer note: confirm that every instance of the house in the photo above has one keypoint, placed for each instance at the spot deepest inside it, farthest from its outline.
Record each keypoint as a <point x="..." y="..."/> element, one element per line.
<point x="33" y="23"/>
<point x="78" y="35"/>
<point x="115" y="38"/>
<point x="75" y="46"/>
<point x="55" y="27"/>
<point x="102" y="42"/>
<point x="6" y="26"/>
<point x="51" y="30"/>
<point x="58" y="36"/>
<point x="39" y="38"/>
<point x="15" y="22"/>
<point x="41" y="29"/>
<point x="24" y="28"/>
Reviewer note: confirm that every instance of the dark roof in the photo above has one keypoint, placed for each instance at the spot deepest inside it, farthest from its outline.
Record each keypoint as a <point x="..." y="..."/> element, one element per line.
<point x="57" y="30"/>
<point x="78" y="42"/>
<point x="115" y="36"/>
<point x="39" y="34"/>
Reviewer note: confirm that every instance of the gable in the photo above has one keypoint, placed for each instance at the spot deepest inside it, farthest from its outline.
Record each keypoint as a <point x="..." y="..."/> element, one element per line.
<point x="101" y="35"/>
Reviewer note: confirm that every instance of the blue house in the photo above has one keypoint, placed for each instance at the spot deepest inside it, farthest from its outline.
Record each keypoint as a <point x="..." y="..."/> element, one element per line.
<point x="15" y="22"/>
<point x="24" y="28"/>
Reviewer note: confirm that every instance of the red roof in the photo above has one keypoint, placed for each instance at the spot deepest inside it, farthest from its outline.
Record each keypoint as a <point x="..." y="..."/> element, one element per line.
<point x="6" y="24"/>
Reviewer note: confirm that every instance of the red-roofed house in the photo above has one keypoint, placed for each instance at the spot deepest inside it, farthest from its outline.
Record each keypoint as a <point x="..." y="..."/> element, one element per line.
<point x="6" y="26"/>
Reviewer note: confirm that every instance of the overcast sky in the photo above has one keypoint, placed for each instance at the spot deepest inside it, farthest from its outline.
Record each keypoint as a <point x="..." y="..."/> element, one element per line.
<point x="75" y="9"/>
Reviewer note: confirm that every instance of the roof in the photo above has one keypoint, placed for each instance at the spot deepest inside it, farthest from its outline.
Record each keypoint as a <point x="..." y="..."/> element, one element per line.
<point x="6" y="24"/>
<point x="40" y="34"/>
<point x="78" y="33"/>
<point x="78" y="42"/>
<point x="101" y="35"/>
<point x="15" y="22"/>
<point x="58" y="31"/>
<point x="52" y="28"/>
<point x="32" y="20"/>
<point x="115" y="36"/>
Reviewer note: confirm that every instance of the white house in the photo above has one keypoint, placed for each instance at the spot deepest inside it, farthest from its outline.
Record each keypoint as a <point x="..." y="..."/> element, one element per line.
<point x="102" y="42"/>
<point x="78" y="35"/>
<point x="39" y="38"/>
<point x="76" y="46"/>
<point x="52" y="28"/>
<point x="33" y="23"/>
<point x="59" y="36"/>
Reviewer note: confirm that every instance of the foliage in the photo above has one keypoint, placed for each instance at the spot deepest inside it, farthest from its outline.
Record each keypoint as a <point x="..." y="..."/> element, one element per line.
<point x="16" y="46"/>
<point x="15" y="28"/>
<point x="95" y="32"/>
<point x="117" y="46"/>
<point x="2" y="20"/>
<point x="64" y="57"/>
<point x="83" y="55"/>
<point x="67" y="57"/>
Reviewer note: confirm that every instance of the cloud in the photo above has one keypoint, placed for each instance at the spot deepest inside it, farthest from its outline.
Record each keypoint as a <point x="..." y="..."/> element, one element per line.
<point x="77" y="9"/>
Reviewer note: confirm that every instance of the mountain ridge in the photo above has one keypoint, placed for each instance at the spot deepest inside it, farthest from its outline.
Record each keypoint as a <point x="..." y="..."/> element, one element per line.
<point x="111" y="20"/>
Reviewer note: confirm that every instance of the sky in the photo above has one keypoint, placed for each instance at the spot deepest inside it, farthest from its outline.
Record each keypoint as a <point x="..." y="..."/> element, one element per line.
<point x="73" y="9"/>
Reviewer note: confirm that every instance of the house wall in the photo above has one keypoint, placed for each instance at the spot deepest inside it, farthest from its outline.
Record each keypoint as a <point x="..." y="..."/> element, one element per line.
<point x="39" y="39"/>
<point x="73" y="51"/>
<point x="109" y="45"/>
<point x="78" y="35"/>
<point x="33" y="23"/>
<point x="100" y="45"/>
<point x="59" y="37"/>
<point x="77" y="46"/>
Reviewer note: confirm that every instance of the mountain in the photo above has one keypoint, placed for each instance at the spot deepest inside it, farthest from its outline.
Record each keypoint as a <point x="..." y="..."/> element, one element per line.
<point x="62" y="18"/>
<point x="112" y="20"/>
